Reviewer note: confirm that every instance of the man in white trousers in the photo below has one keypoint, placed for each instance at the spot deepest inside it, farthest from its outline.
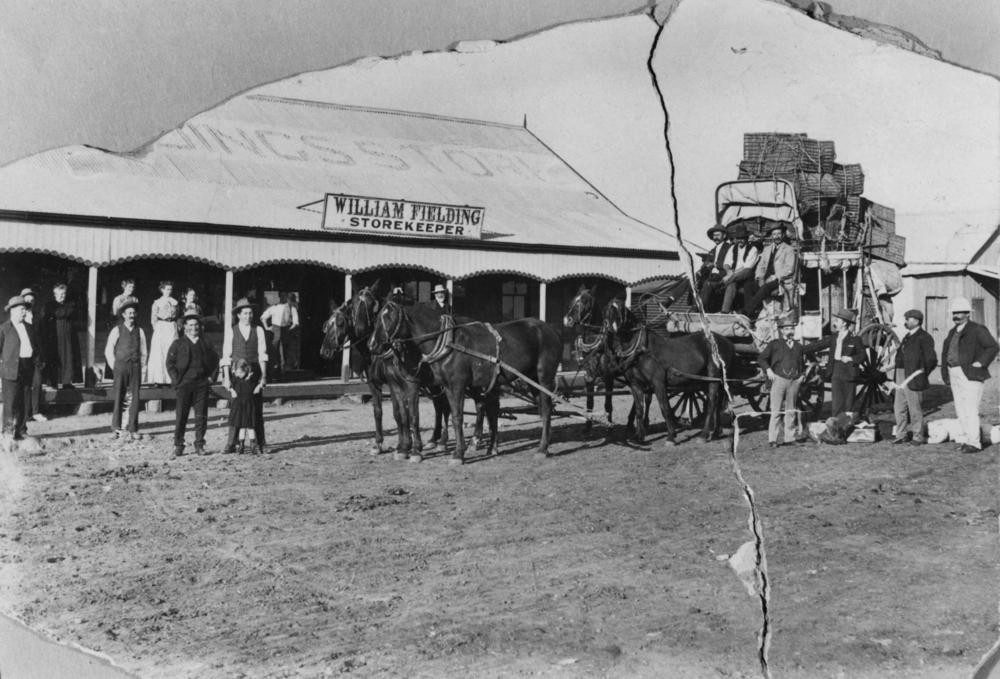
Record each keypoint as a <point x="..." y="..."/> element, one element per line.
<point x="968" y="350"/>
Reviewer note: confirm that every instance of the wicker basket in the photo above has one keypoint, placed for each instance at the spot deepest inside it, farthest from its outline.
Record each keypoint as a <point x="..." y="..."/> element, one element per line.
<point x="851" y="178"/>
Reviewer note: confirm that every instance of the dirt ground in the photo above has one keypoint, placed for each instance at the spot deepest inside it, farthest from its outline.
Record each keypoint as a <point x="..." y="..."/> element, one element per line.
<point x="606" y="560"/>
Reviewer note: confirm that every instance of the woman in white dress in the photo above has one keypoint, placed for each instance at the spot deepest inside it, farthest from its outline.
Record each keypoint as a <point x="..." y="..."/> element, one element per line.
<point x="164" y="318"/>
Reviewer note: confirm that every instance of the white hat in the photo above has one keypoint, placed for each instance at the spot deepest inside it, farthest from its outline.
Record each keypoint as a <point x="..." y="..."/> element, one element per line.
<point x="439" y="288"/>
<point x="960" y="304"/>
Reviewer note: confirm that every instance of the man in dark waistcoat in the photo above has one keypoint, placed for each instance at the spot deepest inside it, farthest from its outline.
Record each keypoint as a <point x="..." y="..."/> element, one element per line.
<point x="18" y="352"/>
<point x="915" y="359"/>
<point x="126" y="354"/>
<point x="247" y="341"/>
<point x="847" y="352"/>
<point x="191" y="365"/>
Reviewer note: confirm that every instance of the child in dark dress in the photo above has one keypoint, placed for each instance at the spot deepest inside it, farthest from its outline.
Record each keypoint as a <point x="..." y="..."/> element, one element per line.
<point x="241" y="411"/>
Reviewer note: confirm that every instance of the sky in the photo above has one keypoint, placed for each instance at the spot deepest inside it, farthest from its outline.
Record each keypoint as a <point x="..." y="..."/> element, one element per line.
<point x="117" y="73"/>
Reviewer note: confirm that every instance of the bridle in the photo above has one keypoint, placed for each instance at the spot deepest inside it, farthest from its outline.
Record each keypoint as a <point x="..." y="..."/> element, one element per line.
<point x="393" y="342"/>
<point x="577" y="306"/>
<point x="367" y="302"/>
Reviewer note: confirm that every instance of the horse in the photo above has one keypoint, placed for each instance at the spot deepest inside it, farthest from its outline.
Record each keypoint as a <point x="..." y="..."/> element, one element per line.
<point x="476" y="358"/>
<point x="353" y="321"/>
<point x="597" y="363"/>
<point x="654" y="362"/>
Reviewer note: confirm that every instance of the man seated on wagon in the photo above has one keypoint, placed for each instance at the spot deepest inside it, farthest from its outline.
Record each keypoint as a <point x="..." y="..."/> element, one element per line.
<point x="777" y="270"/>
<point x="713" y="267"/>
<point x="740" y="267"/>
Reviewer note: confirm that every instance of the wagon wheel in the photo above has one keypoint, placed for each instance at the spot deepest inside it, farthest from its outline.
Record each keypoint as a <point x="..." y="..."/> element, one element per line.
<point x="688" y="406"/>
<point x="812" y="391"/>
<point x="881" y="343"/>
<point x="810" y="398"/>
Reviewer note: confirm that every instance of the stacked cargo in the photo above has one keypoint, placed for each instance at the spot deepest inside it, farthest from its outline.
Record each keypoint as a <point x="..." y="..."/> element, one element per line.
<point x="828" y="193"/>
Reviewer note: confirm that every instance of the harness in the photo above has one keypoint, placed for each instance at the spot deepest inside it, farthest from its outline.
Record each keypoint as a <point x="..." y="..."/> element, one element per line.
<point x="635" y="348"/>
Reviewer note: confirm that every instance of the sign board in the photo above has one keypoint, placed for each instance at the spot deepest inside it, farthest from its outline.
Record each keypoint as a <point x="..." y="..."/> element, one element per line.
<point x="390" y="217"/>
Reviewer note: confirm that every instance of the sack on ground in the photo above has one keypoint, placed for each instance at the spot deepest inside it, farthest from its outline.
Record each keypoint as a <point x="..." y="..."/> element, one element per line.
<point x="939" y="431"/>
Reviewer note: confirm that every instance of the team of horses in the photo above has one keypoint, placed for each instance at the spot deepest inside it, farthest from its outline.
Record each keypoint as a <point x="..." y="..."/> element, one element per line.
<point x="416" y="349"/>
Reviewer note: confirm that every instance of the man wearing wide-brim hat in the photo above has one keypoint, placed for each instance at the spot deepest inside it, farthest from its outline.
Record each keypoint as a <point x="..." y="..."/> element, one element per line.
<point x="915" y="360"/>
<point x="441" y="299"/>
<point x="740" y="266"/>
<point x="18" y="352"/>
<point x="847" y="353"/>
<point x="777" y="270"/>
<point x="191" y="364"/>
<point x="126" y="354"/>
<point x="966" y="355"/>
<point x="783" y="361"/>
<point x="246" y="341"/>
<point x="713" y="267"/>
<point x="33" y="405"/>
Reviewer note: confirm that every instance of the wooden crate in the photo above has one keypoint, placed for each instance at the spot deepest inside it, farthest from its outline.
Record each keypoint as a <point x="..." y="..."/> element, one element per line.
<point x="891" y="249"/>
<point x="885" y="216"/>
<point x="850" y="177"/>
<point x="783" y="152"/>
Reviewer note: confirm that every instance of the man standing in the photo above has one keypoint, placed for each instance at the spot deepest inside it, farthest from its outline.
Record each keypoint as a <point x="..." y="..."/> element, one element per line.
<point x="740" y="266"/>
<point x="915" y="360"/>
<point x="440" y="299"/>
<point x="191" y="364"/>
<point x="18" y="350"/>
<point x="280" y="319"/>
<point x="777" y="268"/>
<point x="968" y="350"/>
<point x="60" y="337"/>
<point x="783" y="360"/>
<point x="246" y="341"/>
<point x="127" y="355"/>
<point x="847" y="353"/>
<point x="33" y="405"/>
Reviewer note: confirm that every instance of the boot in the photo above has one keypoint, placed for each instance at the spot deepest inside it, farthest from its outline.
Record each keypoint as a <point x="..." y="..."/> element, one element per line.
<point x="230" y="442"/>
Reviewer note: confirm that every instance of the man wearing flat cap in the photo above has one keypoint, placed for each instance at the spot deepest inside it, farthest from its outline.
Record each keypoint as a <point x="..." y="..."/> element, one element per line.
<point x="18" y="352"/>
<point x="783" y="361"/>
<point x="191" y="365"/>
<point x="126" y="354"/>
<point x="777" y="270"/>
<point x="966" y="354"/>
<point x="847" y="353"/>
<point x="713" y="266"/>
<point x="915" y="360"/>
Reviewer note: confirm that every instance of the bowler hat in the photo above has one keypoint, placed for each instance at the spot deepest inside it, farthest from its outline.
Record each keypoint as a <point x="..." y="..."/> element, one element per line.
<point x="788" y="318"/>
<point x="716" y="229"/>
<point x="27" y="291"/>
<point x="915" y="313"/>
<point x="128" y="303"/>
<point x="16" y="300"/>
<point x="188" y="315"/>
<point x="439" y="288"/>
<point x="242" y="303"/>
<point x="847" y="315"/>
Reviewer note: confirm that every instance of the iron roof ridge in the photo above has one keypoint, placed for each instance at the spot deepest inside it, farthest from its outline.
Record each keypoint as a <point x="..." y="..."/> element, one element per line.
<point x="273" y="233"/>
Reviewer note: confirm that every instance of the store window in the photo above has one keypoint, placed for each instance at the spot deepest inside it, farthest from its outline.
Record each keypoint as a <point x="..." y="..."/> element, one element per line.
<point x="514" y="297"/>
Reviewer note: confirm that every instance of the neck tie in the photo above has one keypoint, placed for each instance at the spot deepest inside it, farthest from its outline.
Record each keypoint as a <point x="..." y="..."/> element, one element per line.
<point x="736" y="255"/>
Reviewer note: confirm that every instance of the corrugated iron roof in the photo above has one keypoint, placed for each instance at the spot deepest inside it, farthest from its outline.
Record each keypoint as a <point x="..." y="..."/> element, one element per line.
<point x="266" y="161"/>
